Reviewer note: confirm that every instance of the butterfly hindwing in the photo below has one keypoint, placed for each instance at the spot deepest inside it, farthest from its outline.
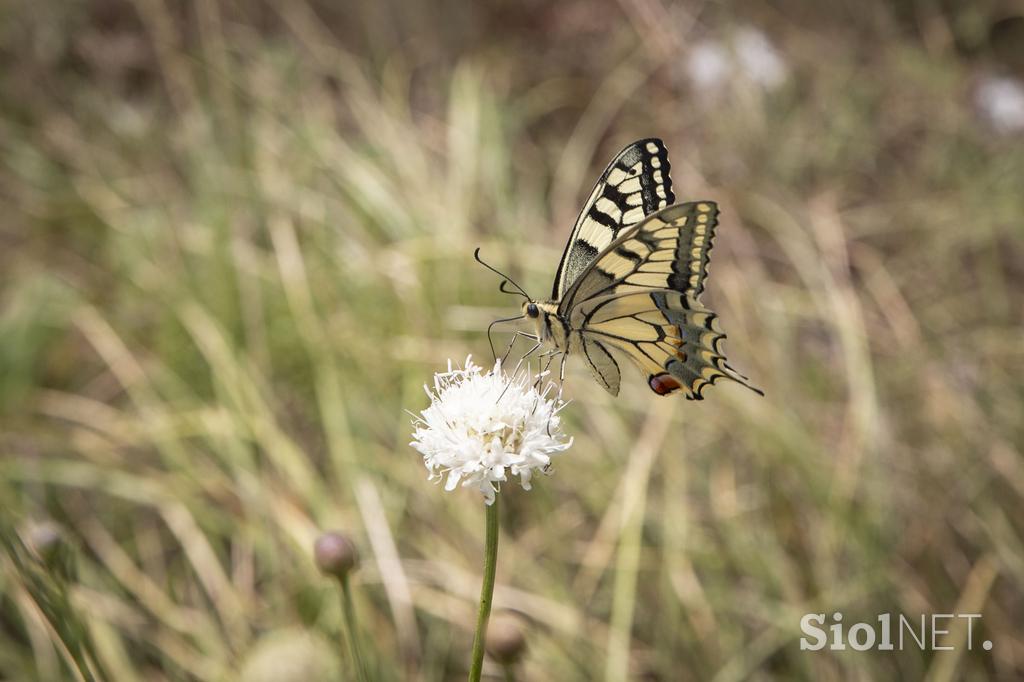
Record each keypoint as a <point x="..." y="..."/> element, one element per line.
<point x="602" y="364"/>
<point x="673" y="339"/>
<point x="635" y="184"/>
<point x="640" y="297"/>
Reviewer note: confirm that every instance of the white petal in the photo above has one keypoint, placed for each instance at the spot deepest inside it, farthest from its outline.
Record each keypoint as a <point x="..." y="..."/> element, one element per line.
<point x="453" y="481"/>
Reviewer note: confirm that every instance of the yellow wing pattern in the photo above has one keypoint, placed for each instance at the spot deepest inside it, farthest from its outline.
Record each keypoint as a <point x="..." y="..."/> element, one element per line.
<point x="641" y="297"/>
<point x="634" y="185"/>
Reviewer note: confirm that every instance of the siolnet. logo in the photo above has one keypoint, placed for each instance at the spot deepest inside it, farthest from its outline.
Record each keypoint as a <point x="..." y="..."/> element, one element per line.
<point x="930" y="632"/>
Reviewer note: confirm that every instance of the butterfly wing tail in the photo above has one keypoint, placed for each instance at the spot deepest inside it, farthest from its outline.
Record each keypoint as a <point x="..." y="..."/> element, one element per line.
<point x="699" y="360"/>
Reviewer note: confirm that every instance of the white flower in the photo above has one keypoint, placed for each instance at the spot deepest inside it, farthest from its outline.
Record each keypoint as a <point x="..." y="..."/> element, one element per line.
<point x="749" y="58"/>
<point x="709" y="65"/>
<point x="1000" y="100"/>
<point x="759" y="60"/>
<point x="482" y="426"/>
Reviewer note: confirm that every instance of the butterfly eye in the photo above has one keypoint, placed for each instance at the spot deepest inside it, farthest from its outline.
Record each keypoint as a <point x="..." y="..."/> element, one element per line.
<point x="531" y="310"/>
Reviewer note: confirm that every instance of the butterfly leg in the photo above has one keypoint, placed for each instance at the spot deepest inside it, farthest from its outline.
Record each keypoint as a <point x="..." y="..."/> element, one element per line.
<point x="515" y="336"/>
<point x="561" y="374"/>
<point x="548" y="358"/>
<point x="550" y="355"/>
<point x="520" y="363"/>
<point x="561" y="383"/>
<point x="558" y="399"/>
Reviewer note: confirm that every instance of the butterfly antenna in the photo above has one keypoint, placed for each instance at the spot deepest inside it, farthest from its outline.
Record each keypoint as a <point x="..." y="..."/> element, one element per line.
<point x="520" y="291"/>
<point x="502" y="289"/>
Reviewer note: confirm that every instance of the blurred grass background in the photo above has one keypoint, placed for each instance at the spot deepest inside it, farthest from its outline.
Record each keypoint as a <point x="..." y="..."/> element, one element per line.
<point x="236" y="241"/>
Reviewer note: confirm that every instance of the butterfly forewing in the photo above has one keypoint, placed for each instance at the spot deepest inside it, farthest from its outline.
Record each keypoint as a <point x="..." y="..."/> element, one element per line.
<point x="668" y="250"/>
<point x="635" y="184"/>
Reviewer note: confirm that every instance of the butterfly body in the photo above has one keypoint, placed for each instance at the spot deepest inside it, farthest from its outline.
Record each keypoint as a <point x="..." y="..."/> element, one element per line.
<point x="549" y="328"/>
<point x="630" y="280"/>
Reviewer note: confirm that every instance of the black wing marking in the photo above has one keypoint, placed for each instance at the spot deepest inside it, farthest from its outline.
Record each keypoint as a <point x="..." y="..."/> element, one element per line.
<point x="668" y="250"/>
<point x="635" y="184"/>
<point x="602" y="364"/>
<point x="673" y="339"/>
<point x="640" y="296"/>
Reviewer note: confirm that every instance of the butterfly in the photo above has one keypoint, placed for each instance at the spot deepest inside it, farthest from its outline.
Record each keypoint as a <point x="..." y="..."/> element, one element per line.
<point x="630" y="279"/>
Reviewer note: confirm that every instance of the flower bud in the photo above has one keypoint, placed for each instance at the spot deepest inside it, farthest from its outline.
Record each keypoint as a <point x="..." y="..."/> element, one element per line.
<point x="506" y="642"/>
<point x="335" y="554"/>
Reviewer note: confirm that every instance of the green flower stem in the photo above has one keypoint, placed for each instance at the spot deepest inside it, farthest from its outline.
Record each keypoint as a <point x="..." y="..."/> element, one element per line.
<point x="486" y="591"/>
<point x="351" y="632"/>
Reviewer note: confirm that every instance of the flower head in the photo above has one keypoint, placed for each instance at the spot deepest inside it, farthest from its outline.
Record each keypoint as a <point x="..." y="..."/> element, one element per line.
<point x="481" y="426"/>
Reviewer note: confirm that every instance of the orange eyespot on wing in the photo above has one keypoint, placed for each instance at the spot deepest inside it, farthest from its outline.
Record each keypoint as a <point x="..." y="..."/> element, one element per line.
<point x="663" y="384"/>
